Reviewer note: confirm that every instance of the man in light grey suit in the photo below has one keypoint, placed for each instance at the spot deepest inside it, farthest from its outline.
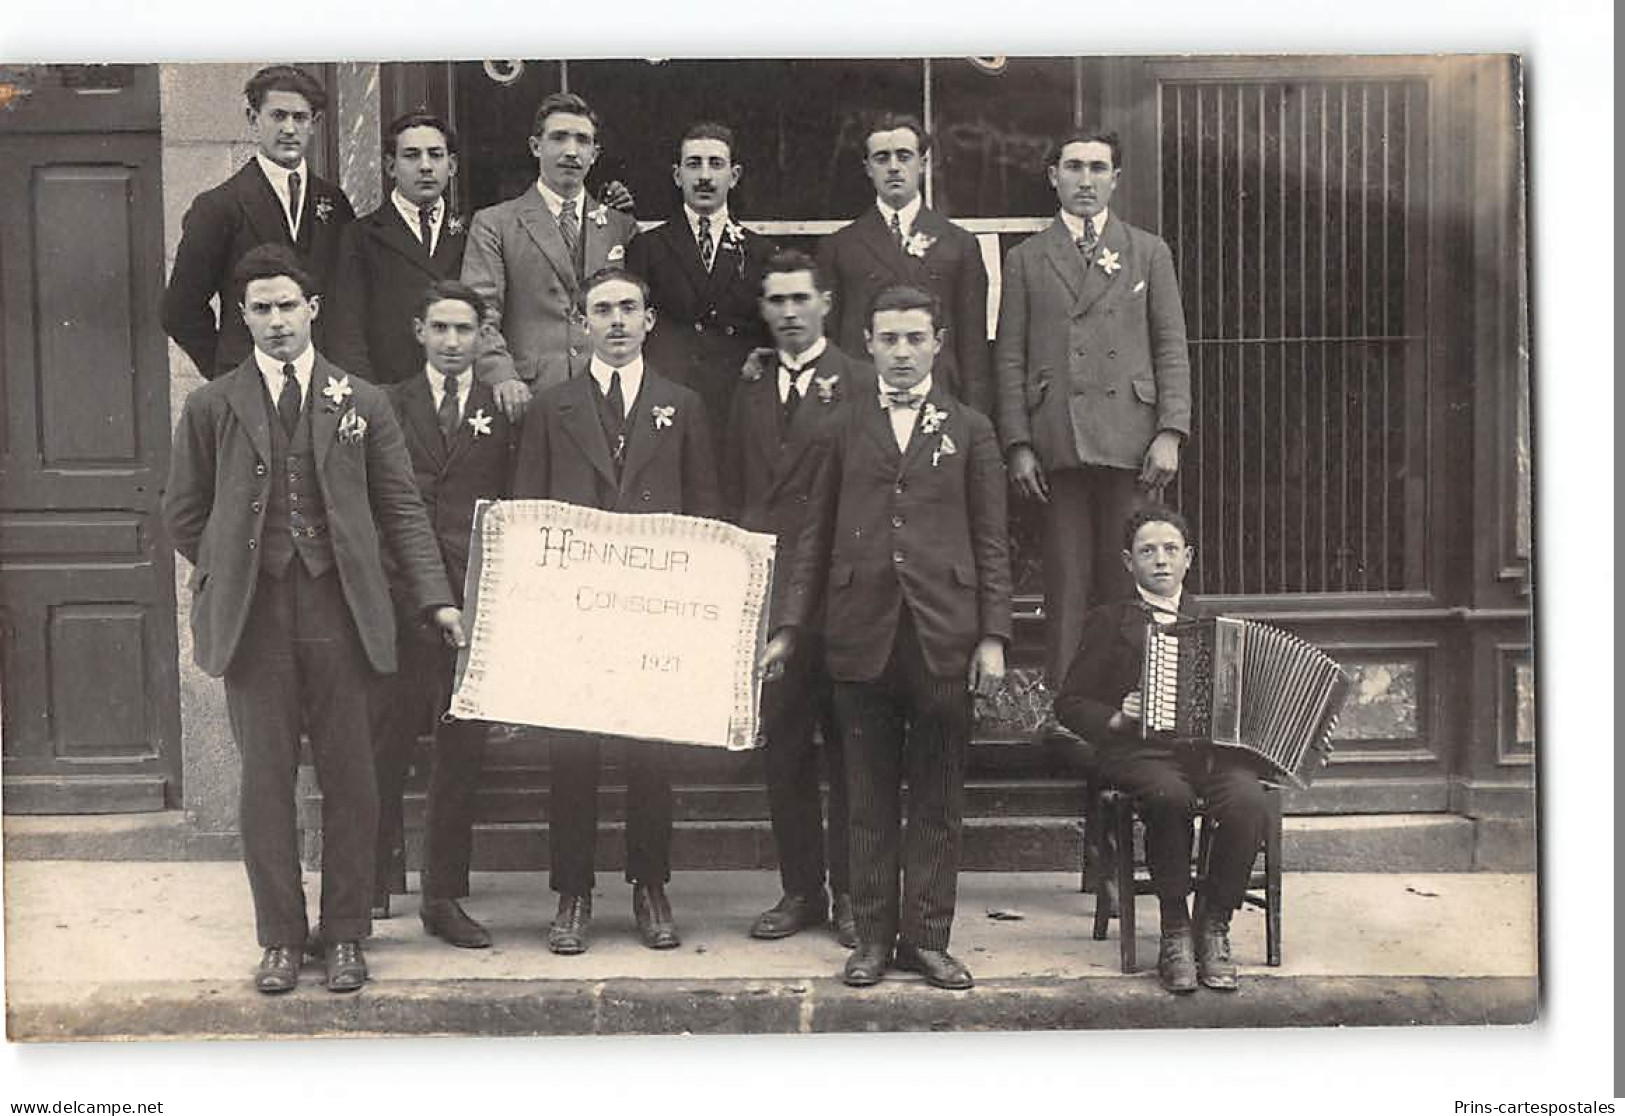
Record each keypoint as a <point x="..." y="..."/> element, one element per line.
<point x="527" y="256"/>
<point x="1094" y="396"/>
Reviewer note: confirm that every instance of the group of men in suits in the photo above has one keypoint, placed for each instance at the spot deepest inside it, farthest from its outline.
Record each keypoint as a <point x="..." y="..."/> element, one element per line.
<point x="524" y="351"/>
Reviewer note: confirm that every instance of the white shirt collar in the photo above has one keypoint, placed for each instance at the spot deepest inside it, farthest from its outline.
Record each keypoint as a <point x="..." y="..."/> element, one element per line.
<point x="799" y="363"/>
<point x="631" y="378"/>
<point x="1164" y="609"/>
<point x="555" y="201"/>
<point x="437" y="383"/>
<point x="271" y="371"/>
<point x="719" y="221"/>
<point x="918" y="391"/>
<point x="1074" y="225"/>
<point x="277" y="175"/>
<point x="905" y="216"/>
<point x="409" y="212"/>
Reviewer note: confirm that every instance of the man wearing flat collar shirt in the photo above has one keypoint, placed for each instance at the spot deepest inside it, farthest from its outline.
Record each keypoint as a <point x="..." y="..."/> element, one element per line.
<point x="273" y="199"/>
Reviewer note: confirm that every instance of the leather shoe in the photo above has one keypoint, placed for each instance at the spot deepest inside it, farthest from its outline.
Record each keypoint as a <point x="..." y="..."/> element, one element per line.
<point x="652" y="912"/>
<point x="1176" y="959"/>
<point x="568" y="934"/>
<point x="846" y="923"/>
<point x="867" y="965"/>
<point x="446" y="920"/>
<point x="940" y="968"/>
<point x="1213" y="965"/>
<point x="346" y="967"/>
<point x="278" y="970"/>
<point x="791" y="915"/>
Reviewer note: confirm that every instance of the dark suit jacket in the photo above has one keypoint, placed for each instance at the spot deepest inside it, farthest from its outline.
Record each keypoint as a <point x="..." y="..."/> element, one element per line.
<point x="451" y="478"/>
<point x="1107" y="667"/>
<point x="516" y="259"/>
<point x="378" y="286"/>
<point x="220" y="227"/>
<point x="1091" y="364"/>
<point x="564" y="453"/>
<point x="887" y="531"/>
<point x="220" y="484"/>
<point x="706" y="322"/>
<point x="768" y="473"/>
<point x="863" y="259"/>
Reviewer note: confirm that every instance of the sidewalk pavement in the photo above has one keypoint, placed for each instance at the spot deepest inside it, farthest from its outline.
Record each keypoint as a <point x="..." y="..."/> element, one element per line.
<point x="149" y="950"/>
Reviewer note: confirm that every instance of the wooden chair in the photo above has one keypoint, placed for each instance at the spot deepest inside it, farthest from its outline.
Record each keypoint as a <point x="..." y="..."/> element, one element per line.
<point x="1111" y="873"/>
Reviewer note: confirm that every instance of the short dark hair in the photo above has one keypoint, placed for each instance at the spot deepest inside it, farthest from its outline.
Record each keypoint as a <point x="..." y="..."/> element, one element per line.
<point x="891" y="121"/>
<point x="285" y="79"/>
<point x="789" y="260"/>
<point x="271" y="261"/>
<point x="708" y="129"/>
<point x="451" y="290"/>
<point x="608" y="275"/>
<point x="1154" y="513"/>
<point x="1092" y="135"/>
<point x="903" y="297"/>
<point x="562" y="102"/>
<point x="417" y="118"/>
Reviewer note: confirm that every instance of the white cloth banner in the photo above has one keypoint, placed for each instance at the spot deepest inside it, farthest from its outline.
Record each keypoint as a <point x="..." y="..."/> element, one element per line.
<point x="645" y="626"/>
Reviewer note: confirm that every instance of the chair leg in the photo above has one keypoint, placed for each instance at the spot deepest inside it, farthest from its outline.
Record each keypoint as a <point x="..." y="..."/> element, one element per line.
<point x="1272" y="881"/>
<point x="1103" y="867"/>
<point x="1124" y="826"/>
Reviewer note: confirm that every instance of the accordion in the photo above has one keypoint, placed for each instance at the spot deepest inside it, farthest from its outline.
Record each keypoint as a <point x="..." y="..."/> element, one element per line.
<point x="1241" y="684"/>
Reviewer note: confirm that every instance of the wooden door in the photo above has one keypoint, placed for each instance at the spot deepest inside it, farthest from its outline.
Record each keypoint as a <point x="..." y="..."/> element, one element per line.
<point x="87" y="595"/>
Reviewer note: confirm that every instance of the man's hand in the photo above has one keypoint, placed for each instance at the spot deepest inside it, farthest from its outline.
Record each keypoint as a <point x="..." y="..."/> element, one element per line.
<point x="1129" y="712"/>
<point x="777" y="652"/>
<point x="758" y="363"/>
<point x="450" y="623"/>
<point x="987" y="666"/>
<point x="617" y="196"/>
<point x="1161" y="460"/>
<point x="513" y="396"/>
<point x="1028" y="474"/>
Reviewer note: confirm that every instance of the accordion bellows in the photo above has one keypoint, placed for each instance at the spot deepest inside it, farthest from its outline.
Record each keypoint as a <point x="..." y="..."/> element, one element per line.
<point x="1241" y="684"/>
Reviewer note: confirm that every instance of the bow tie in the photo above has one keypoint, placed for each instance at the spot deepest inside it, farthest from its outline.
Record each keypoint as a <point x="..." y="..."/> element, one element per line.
<point x="891" y="400"/>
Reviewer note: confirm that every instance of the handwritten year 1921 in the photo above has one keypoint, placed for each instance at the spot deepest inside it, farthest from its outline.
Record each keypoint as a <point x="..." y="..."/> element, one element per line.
<point x="664" y="664"/>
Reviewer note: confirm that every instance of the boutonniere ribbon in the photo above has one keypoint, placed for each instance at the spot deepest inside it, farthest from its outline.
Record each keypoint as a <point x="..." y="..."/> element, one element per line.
<point x="352" y="428"/>
<point x="932" y="418"/>
<point x="918" y="244"/>
<point x="599" y="216"/>
<point x="825" y="386"/>
<point x="662" y="416"/>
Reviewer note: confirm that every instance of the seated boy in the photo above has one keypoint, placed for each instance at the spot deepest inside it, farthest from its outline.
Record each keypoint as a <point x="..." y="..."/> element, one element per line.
<point x="1100" y="701"/>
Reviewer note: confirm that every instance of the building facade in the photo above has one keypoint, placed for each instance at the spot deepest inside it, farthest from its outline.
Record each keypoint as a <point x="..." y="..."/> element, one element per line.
<point x="1350" y="240"/>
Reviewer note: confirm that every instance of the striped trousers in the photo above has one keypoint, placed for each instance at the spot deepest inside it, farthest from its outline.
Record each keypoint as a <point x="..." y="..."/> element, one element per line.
<point x="906" y="725"/>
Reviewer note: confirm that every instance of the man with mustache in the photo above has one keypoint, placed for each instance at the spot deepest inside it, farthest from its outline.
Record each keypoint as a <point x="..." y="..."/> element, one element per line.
<point x="390" y="255"/>
<point x="1094" y="383"/>
<point x="900" y="241"/>
<point x="704" y="271"/>
<point x="273" y="199"/>
<point x="621" y="438"/>
<point x="527" y="257"/>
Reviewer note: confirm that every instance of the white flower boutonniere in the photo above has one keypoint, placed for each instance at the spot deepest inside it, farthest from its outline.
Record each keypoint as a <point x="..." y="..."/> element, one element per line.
<point x="825" y="386"/>
<point x="733" y="236"/>
<point x="324" y="208"/>
<point x="599" y="216"/>
<point x="480" y="423"/>
<point x="945" y="448"/>
<point x="932" y="418"/>
<point x="1108" y="261"/>
<point x="616" y="253"/>
<point x="455" y="225"/>
<point x="337" y="392"/>
<point x="663" y="416"/>
<point x="918" y="244"/>
<point x="352" y="428"/>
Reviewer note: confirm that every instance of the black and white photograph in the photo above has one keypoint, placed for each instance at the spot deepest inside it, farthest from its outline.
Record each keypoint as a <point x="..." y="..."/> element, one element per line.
<point x="845" y="556"/>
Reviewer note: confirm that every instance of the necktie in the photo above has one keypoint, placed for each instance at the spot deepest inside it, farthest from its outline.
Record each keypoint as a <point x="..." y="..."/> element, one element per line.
<point x="426" y="227"/>
<point x="293" y="204"/>
<point x="615" y="417"/>
<point x="708" y="246"/>
<point x="449" y="414"/>
<point x="287" y="401"/>
<point x="892" y="400"/>
<point x="570" y="227"/>
<point x="897" y="228"/>
<point x="1086" y="242"/>
<point x="792" y="400"/>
